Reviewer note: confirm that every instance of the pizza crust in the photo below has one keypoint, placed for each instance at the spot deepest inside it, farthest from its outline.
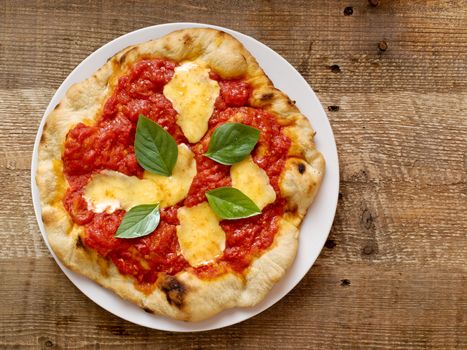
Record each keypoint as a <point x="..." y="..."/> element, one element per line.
<point x="183" y="296"/>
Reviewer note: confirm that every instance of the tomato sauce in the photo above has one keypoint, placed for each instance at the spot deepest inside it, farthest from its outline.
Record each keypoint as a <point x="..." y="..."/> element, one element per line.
<point x="109" y="145"/>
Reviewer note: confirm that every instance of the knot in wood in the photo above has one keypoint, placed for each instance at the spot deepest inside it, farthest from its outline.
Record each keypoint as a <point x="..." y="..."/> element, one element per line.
<point x="383" y="45"/>
<point x="348" y="11"/>
<point x="345" y="282"/>
<point x="335" y="68"/>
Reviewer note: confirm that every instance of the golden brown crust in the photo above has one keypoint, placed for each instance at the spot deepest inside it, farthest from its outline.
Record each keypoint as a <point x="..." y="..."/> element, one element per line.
<point x="184" y="296"/>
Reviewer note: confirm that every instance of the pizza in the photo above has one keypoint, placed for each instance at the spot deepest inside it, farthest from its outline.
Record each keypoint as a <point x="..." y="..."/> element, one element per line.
<point x="177" y="176"/>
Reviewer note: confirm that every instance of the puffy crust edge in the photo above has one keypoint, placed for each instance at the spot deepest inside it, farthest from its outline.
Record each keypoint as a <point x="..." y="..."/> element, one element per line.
<point x="184" y="296"/>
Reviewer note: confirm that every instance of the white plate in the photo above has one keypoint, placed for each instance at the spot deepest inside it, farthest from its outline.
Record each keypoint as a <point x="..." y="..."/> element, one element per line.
<point x="315" y="227"/>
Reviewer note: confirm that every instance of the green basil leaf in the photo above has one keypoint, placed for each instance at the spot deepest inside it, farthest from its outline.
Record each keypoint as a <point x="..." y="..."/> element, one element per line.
<point x="155" y="150"/>
<point x="230" y="203"/>
<point x="232" y="142"/>
<point x="139" y="221"/>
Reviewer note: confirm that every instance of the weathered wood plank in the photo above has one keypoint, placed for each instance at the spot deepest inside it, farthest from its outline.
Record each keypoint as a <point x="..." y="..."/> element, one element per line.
<point x="426" y="39"/>
<point x="388" y="309"/>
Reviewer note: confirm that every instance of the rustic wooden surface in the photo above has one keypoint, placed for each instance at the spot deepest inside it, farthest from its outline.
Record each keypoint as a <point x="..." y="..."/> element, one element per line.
<point x="393" y="78"/>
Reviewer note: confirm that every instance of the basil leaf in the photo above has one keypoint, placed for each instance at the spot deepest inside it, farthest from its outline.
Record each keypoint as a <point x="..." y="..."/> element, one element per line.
<point x="139" y="221"/>
<point x="232" y="142"/>
<point x="230" y="203"/>
<point x="155" y="150"/>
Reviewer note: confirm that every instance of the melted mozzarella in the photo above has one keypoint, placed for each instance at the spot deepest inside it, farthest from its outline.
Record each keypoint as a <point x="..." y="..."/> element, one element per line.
<point x="111" y="190"/>
<point x="253" y="181"/>
<point x="193" y="95"/>
<point x="199" y="234"/>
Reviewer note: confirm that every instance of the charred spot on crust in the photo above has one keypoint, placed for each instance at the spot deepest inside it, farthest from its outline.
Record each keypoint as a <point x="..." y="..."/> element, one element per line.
<point x="187" y="39"/>
<point x="312" y="185"/>
<point x="45" y="219"/>
<point x="148" y="310"/>
<point x="57" y="106"/>
<point x="123" y="57"/>
<point x="104" y="265"/>
<point x="301" y="168"/>
<point x="43" y="138"/>
<point x="266" y="97"/>
<point x="174" y="290"/>
<point x="79" y="243"/>
<point x="292" y="208"/>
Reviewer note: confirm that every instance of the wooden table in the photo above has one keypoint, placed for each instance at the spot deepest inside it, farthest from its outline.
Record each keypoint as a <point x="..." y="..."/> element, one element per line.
<point x="393" y="79"/>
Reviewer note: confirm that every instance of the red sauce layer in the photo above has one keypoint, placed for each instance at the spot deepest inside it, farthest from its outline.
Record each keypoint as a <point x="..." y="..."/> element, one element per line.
<point x="109" y="145"/>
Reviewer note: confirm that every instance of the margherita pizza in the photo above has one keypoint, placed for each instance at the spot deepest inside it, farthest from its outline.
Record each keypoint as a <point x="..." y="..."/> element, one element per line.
<point x="178" y="176"/>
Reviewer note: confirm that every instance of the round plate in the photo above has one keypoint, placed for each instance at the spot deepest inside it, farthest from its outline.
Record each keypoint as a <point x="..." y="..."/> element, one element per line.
<point x="314" y="230"/>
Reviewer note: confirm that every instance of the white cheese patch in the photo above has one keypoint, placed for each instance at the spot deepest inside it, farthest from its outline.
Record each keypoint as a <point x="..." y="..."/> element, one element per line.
<point x="253" y="181"/>
<point x="199" y="234"/>
<point x="111" y="190"/>
<point x="193" y="95"/>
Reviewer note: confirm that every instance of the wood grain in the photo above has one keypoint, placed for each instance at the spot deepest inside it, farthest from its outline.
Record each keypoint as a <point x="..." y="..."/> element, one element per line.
<point x="393" y="79"/>
<point x="389" y="309"/>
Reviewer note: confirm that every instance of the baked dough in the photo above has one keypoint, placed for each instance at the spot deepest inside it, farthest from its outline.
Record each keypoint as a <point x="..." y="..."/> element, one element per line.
<point x="183" y="296"/>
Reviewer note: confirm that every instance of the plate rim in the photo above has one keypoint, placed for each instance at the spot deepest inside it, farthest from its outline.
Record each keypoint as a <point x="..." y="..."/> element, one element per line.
<point x="168" y="324"/>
